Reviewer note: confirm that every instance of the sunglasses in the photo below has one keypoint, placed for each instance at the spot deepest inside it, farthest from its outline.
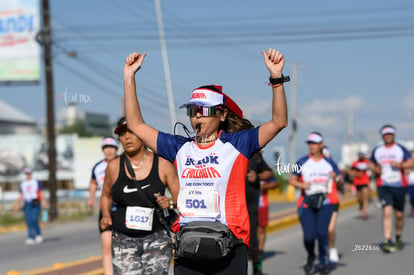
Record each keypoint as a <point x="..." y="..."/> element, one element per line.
<point x="192" y="110"/>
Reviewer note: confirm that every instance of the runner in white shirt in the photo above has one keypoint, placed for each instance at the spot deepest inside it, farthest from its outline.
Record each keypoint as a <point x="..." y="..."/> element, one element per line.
<point x="31" y="192"/>
<point x="316" y="179"/>
<point x="388" y="162"/>
<point x="109" y="148"/>
<point x="212" y="166"/>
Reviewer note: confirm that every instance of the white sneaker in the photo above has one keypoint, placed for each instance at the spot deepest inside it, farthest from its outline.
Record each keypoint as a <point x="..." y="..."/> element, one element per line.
<point x="39" y="239"/>
<point x="30" y="241"/>
<point x="333" y="255"/>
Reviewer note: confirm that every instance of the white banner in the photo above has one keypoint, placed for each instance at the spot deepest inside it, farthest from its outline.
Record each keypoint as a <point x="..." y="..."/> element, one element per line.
<point x="19" y="50"/>
<point x="18" y="151"/>
<point x="87" y="153"/>
<point x="75" y="157"/>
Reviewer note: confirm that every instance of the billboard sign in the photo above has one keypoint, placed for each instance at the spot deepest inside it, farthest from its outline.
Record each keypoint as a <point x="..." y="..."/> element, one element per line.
<point x="19" y="50"/>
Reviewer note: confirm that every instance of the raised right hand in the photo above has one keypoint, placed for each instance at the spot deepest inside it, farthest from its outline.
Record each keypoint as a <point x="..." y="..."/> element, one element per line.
<point x="274" y="62"/>
<point x="133" y="63"/>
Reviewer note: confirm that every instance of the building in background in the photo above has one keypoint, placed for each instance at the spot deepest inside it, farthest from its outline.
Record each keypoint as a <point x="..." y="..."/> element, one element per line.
<point x="23" y="143"/>
<point x="14" y="121"/>
<point x="349" y="153"/>
<point x="73" y="120"/>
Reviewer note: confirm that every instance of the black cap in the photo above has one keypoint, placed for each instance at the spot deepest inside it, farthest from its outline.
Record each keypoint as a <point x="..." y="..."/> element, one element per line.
<point x="121" y="125"/>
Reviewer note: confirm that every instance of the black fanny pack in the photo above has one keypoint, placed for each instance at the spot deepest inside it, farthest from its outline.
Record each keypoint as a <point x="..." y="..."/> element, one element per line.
<point x="204" y="240"/>
<point x="315" y="201"/>
<point x="35" y="202"/>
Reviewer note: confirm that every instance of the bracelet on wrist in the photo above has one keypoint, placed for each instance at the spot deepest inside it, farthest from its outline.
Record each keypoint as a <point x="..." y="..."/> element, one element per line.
<point x="279" y="80"/>
<point x="275" y="85"/>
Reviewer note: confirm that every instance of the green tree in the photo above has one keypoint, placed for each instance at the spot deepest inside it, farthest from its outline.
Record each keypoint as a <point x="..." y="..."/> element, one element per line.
<point x="77" y="127"/>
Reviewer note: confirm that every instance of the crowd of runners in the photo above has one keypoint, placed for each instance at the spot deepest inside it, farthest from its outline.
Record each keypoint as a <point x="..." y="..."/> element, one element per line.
<point x="213" y="217"/>
<point x="389" y="164"/>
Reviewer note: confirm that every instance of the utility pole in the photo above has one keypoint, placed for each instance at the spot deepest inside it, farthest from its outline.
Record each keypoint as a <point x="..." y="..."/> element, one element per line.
<point x="45" y="38"/>
<point x="350" y="126"/>
<point x="167" y="72"/>
<point x="293" y="120"/>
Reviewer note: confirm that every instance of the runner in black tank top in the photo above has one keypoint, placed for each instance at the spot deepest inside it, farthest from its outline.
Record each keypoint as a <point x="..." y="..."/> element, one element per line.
<point x="128" y="192"/>
<point x="140" y="242"/>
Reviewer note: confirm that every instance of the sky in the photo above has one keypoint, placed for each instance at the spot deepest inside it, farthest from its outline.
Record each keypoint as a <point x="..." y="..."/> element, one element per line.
<point x="353" y="62"/>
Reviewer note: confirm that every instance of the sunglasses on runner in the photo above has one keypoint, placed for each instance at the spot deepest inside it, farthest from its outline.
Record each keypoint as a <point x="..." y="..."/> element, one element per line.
<point x="192" y="110"/>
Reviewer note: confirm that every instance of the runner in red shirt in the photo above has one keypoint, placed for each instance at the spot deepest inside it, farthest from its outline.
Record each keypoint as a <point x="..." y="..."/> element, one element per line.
<point x="359" y="172"/>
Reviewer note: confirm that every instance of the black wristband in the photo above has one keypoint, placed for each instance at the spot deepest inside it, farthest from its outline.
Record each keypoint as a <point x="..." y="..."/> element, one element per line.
<point x="280" y="80"/>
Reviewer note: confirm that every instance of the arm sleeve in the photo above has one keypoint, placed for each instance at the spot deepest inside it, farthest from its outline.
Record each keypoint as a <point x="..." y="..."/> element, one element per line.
<point x="168" y="145"/>
<point x="407" y="154"/>
<point x="93" y="177"/>
<point x="40" y="186"/>
<point x="373" y="156"/>
<point x="335" y="168"/>
<point x="299" y="164"/>
<point x="245" y="141"/>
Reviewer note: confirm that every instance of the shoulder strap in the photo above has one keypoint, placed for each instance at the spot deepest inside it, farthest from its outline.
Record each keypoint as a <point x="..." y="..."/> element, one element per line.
<point x="129" y="167"/>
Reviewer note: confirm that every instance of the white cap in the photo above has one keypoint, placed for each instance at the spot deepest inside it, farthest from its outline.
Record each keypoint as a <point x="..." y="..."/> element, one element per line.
<point x="27" y="170"/>
<point x="314" y="138"/>
<point x="109" y="141"/>
<point x="387" y="130"/>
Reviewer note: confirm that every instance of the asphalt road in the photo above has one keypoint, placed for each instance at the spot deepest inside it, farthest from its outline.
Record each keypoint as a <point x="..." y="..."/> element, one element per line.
<point x="62" y="243"/>
<point x="284" y="253"/>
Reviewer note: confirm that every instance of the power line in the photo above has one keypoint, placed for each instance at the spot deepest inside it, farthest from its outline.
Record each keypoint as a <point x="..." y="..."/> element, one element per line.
<point x="246" y="34"/>
<point x="151" y="95"/>
<point x="135" y="13"/>
<point x="87" y="79"/>
<point x="104" y="46"/>
<point x="389" y="13"/>
<point x="103" y="88"/>
<point x="105" y="72"/>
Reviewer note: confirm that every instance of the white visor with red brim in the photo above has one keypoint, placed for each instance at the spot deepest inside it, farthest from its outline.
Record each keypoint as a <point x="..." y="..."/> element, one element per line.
<point x="314" y="138"/>
<point x="206" y="97"/>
